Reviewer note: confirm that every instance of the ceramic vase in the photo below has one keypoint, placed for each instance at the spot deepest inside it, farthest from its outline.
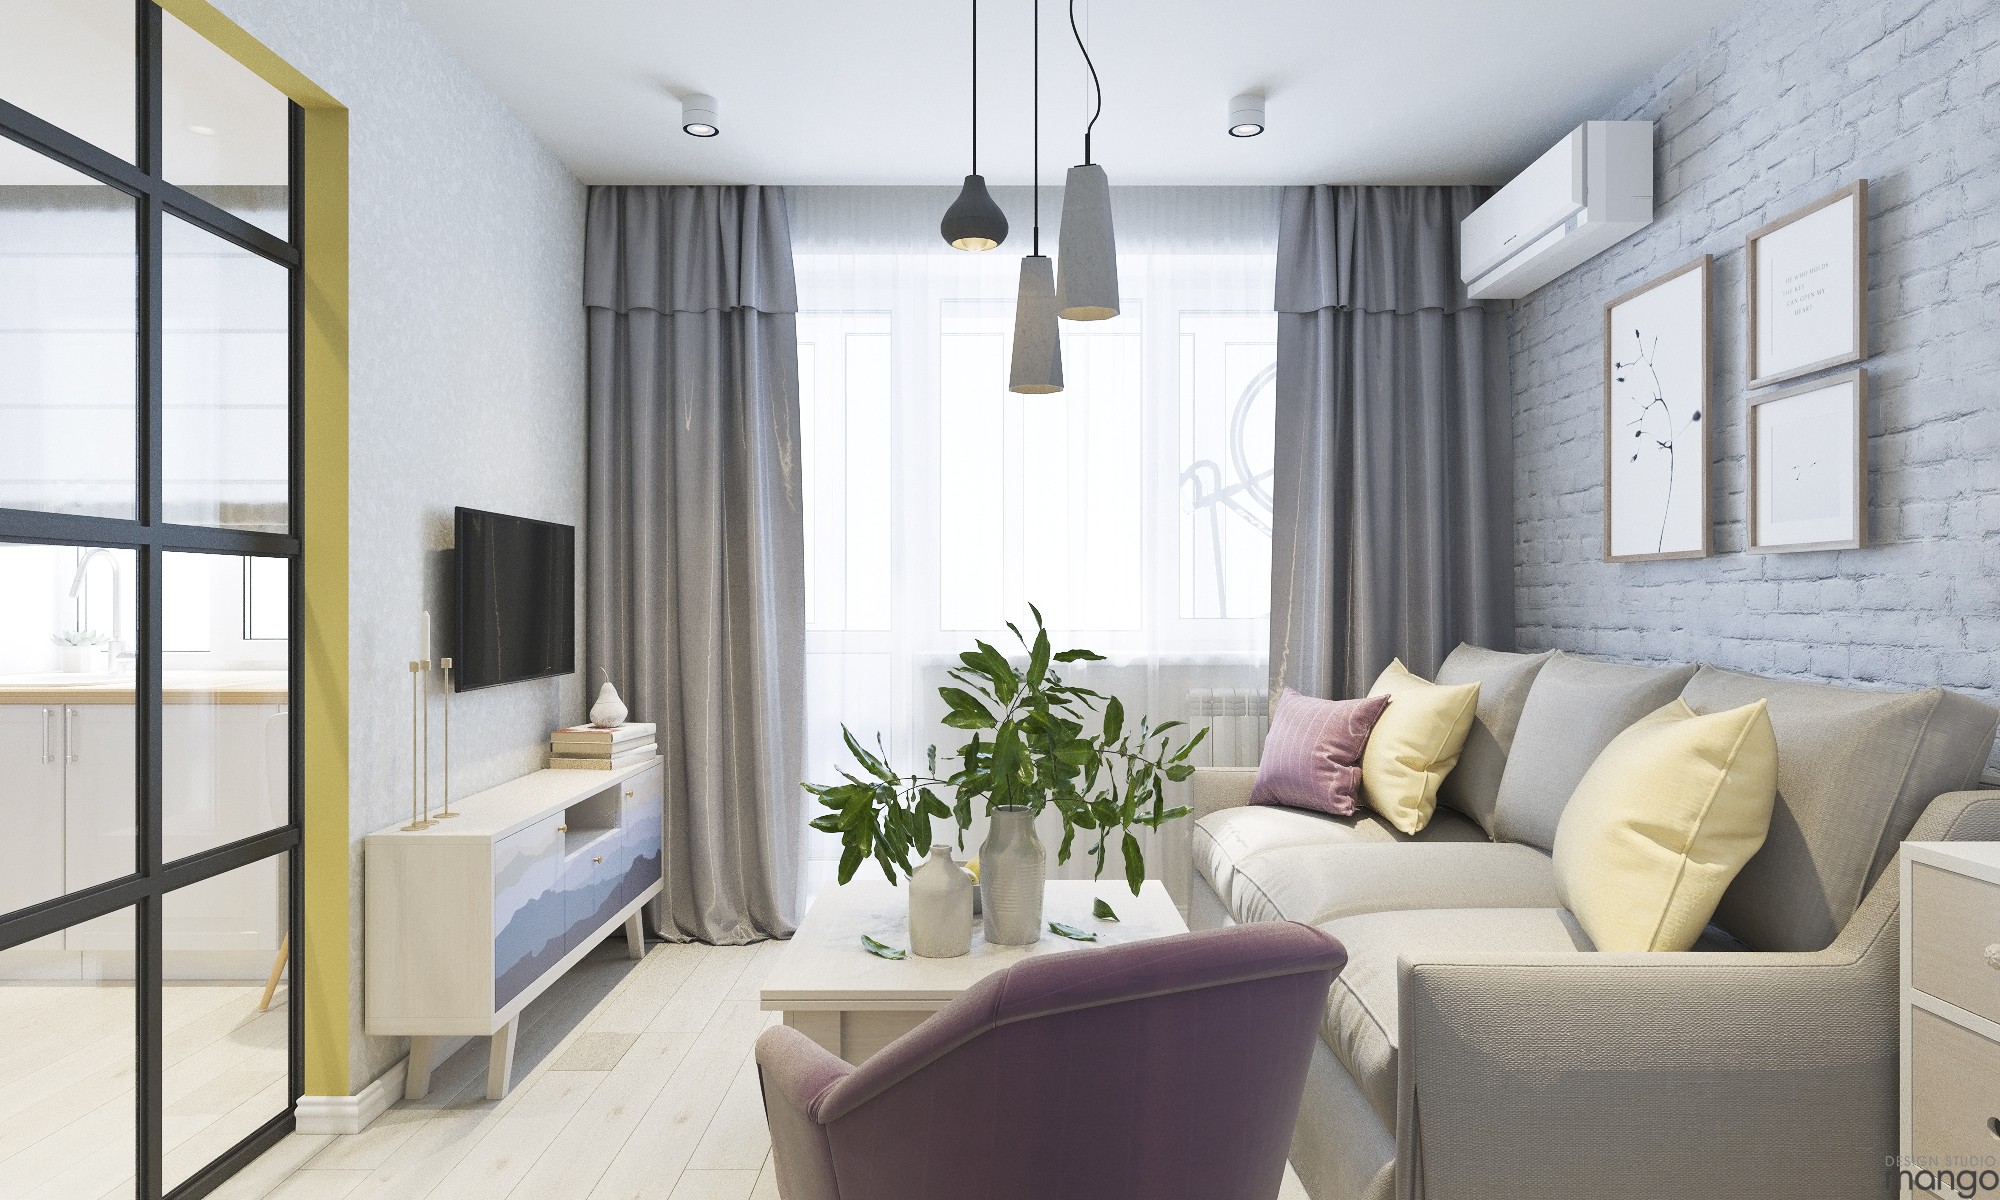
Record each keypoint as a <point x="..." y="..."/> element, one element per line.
<point x="609" y="712"/>
<point x="1012" y="872"/>
<point x="940" y="907"/>
<point x="81" y="659"/>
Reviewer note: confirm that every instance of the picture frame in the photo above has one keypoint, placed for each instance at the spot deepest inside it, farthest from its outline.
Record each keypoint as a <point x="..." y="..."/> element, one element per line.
<point x="1807" y="275"/>
<point x="1657" y="398"/>
<point x="1807" y="459"/>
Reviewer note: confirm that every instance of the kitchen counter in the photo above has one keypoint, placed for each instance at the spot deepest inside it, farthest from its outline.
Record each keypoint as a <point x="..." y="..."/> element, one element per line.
<point x="181" y="687"/>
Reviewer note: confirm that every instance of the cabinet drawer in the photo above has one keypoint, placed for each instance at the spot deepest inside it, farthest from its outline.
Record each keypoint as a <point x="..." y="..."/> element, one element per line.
<point x="1954" y="1094"/>
<point x="1954" y="919"/>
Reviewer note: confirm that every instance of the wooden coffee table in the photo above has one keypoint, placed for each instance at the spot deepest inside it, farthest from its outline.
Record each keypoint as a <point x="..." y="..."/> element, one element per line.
<point x="854" y="1003"/>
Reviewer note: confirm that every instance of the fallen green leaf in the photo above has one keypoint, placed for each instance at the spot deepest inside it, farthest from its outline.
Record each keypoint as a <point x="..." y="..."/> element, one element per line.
<point x="880" y="950"/>
<point x="1102" y="911"/>
<point x="1071" y="932"/>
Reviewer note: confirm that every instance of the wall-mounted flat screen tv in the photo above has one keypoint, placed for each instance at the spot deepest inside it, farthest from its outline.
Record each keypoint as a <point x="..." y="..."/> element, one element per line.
<point x="516" y="599"/>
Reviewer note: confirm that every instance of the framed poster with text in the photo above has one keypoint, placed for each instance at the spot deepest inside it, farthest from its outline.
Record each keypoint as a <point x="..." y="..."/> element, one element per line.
<point x="1808" y="276"/>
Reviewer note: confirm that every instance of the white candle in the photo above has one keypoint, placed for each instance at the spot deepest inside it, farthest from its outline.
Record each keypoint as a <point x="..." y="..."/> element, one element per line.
<point x="424" y="644"/>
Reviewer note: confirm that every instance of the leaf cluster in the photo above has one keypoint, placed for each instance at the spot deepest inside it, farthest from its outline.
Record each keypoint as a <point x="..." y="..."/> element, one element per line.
<point x="1037" y="741"/>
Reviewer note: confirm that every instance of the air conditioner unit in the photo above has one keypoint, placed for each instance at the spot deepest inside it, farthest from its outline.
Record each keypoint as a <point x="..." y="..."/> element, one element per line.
<point x="1592" y="189"/>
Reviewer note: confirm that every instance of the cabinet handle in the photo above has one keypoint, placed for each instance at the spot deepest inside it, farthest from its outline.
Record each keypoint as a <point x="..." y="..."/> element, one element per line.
<point x="599" y="858"/>
<point x="1993" y="956"/>
<point x="562" y="829"/>
<point x="48" y="755"/>
<point x="69" y="735"/>
<point x="628" y="793"/>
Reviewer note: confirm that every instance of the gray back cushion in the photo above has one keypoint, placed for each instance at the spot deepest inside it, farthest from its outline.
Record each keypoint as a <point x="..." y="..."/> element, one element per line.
<point x="1473" y="787"/>
<point x="1574" y="709"/>
<point x="1855" y="771"/>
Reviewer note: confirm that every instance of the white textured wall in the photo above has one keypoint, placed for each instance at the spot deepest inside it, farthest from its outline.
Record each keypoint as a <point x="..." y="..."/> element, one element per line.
<point x="1777" y="107"/>
<point x="467" y="380"/>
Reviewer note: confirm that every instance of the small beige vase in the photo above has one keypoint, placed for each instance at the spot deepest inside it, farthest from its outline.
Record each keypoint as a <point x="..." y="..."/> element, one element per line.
<point x="940" y="907"/>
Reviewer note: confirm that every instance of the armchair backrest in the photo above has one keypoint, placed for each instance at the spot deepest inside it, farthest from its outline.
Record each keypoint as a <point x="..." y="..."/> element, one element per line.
<point x="1168" y="1069"/>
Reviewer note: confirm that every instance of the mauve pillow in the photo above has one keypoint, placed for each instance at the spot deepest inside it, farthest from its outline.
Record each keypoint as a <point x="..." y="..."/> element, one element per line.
<point x="1312" y="756"/>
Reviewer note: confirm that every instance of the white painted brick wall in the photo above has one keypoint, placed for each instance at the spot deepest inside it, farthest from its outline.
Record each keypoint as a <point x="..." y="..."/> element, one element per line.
<point x="1782" y="104"/>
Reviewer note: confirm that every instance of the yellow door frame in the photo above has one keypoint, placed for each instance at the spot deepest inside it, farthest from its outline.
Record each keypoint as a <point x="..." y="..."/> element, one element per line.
<point x="325" y="992"/>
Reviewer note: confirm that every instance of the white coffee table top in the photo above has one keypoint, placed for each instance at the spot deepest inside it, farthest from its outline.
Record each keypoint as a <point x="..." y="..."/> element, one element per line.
<point x="824" y="967"/>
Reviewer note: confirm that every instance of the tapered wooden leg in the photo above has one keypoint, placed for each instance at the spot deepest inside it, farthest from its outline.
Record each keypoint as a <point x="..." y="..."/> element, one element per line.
<point x="423" y="1056"/>
<point x="635" y="937"/>
<point x="277" y="969"/>
<point x="500" y="1061"/>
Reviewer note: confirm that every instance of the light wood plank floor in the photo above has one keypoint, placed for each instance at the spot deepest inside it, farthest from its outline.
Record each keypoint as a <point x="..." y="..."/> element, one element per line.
<point x="636" y="1082"/>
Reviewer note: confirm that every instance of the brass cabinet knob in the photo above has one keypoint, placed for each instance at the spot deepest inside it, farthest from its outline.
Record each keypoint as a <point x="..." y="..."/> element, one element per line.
<point x="599" y="858"/>
<point x="628" y="793"/>
<point x="562" y="829"/>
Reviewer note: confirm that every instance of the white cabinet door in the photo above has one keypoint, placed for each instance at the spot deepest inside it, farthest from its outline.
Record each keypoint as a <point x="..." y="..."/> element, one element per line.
<point x="101" y="793"/>
<point x="224" y="768"/>
<point x="31" y="819"/>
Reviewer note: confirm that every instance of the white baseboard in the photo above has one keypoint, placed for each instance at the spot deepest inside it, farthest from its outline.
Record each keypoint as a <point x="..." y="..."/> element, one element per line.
<point x="352" y="1114"/>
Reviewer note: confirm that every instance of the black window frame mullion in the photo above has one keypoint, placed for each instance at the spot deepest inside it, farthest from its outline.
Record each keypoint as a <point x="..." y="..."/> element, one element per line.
<point x="151" y="536"/>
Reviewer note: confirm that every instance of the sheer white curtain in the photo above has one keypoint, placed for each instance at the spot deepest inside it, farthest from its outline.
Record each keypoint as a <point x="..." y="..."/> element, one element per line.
<point x="1133" y="508"/>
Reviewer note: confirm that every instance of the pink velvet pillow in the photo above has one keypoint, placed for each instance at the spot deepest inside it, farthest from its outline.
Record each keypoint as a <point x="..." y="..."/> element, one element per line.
<point x="1312" y="756"/>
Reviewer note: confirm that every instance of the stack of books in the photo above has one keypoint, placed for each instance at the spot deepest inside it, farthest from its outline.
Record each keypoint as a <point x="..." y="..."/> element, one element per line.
<point x="588" y="748"/>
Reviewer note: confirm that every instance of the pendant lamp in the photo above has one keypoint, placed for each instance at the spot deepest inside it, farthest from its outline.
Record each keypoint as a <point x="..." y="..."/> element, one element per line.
<point x="1089" y="282"/>
<point x="974" y="222"/>
<point x="1037" y="365"/>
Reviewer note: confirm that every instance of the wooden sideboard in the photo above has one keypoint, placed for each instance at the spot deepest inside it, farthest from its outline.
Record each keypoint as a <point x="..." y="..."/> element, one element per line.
<point x="472" y="918"/>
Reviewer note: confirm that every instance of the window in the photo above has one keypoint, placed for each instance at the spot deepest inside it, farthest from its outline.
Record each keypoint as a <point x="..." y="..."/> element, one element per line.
<point x="1133" y="508"/>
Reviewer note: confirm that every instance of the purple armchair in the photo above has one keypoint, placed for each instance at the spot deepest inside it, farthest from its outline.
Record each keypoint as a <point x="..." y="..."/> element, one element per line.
<point x="1168" y="1069"/>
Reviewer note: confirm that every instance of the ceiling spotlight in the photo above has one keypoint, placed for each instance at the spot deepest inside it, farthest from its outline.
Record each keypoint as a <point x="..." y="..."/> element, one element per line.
<point x="698" y="116"/>
<point x="1246" y="115"/>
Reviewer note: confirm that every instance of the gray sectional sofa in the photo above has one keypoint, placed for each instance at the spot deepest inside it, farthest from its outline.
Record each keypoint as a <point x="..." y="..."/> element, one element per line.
<point x="1476" y="1046"/>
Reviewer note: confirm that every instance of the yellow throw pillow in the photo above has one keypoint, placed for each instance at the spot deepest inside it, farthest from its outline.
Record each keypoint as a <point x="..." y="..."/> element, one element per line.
<point x="1414" y="745"/>
<point x="1663" y="821"/>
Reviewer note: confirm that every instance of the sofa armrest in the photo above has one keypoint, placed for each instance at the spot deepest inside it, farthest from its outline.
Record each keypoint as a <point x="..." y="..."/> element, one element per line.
<point x="1217" y="788"/>
<point x="1647" y="1076"/>
<point x="796" y="1073"/>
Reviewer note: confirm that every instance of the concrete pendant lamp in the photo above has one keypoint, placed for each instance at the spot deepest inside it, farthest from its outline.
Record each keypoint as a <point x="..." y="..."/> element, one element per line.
<point x="1089" y="253"/>
<point x="1037" y="366"/>
<point x="974" y="222"/>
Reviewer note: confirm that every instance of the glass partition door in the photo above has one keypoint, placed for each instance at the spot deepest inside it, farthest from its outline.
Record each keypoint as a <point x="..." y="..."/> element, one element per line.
<point x="150" y="292"/>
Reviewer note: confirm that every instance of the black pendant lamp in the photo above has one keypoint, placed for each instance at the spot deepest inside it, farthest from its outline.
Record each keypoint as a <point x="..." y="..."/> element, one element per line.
<point x="1037" y="365"/>
<point x="1089" y="275"/>
<point x="974" y="222"/>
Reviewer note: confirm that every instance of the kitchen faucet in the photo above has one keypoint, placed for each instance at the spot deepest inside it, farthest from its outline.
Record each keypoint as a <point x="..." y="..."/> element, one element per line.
<point x="79" y="584"/>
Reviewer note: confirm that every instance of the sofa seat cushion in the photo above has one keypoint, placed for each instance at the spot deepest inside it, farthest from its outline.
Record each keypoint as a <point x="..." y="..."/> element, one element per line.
<point x="1316" y="884"/>
<point x="1361" y="1022"/>
<point x="1234" y="835"/>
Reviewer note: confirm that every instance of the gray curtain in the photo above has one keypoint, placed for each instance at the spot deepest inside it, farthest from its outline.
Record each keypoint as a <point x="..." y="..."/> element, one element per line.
<point x="696" y="537"/>
<point x="1393" y="535"/>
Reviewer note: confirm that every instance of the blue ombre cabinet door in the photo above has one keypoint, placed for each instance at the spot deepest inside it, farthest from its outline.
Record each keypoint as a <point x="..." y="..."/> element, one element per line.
<point x="588" y="875"/>
<point x="527" y="907"/>
<point x="639" y="820"/>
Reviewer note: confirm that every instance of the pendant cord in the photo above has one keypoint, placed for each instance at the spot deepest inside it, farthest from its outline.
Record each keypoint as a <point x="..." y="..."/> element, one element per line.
<point x="1095" y="83"/>
<point x="1036" y="138"/>
<point x="975" y="87"/>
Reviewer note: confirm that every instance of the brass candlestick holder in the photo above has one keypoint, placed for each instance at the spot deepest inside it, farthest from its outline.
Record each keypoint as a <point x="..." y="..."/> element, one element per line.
<point x="444" y="665"/>
<point x="420" y="730"/>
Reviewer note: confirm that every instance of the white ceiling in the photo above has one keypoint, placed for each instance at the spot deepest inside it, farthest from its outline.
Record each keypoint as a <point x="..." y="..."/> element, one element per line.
<point x="876" y="91"/>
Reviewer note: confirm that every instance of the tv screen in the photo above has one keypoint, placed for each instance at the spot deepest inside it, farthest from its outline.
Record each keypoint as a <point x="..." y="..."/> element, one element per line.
<point x="516" y="599"/>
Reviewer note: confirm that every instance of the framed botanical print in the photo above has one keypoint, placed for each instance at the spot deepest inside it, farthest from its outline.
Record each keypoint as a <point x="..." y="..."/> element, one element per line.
<point x="1808" y="277"/>
<point x="1656" y="401"/>
<point x="1808" y="457"/>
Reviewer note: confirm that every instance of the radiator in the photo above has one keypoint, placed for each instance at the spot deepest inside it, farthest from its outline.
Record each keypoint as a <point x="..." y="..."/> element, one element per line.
<point x="1237" y="720"/>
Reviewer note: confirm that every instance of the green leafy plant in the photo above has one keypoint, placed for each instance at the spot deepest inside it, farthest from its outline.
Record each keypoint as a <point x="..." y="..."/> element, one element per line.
<point x="1037" y="742"/>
